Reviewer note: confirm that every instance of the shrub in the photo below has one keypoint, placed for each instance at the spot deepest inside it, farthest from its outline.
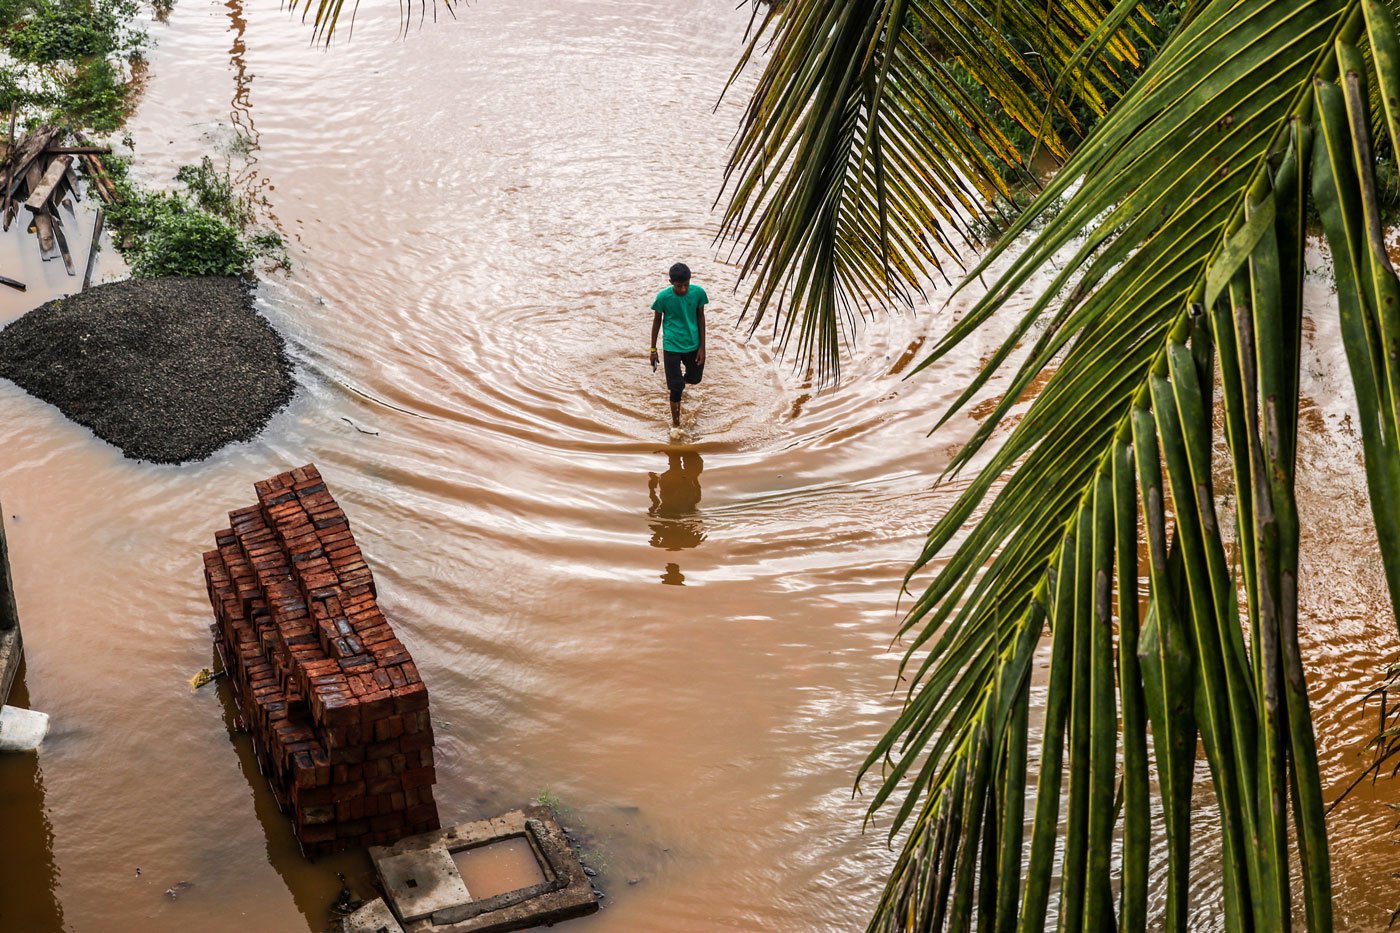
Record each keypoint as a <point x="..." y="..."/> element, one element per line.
<point x="95" y="96"/>
<point x="213" y="191"/>
<point x="63" y="32"/>
<point x="64" y="59"/>
<point x="192" y="243"/>
<point x="206" y="229"/>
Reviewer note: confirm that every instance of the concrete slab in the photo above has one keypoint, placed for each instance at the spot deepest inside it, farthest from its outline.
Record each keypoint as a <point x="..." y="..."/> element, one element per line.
<point x="422" y="882"/>
<point x="22" y="730"/>
<point x="564" y="893"/>
<point x="374" y="917"/>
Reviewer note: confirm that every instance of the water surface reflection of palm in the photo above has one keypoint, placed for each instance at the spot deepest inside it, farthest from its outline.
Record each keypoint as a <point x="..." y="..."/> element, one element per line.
<point x="675" y="501"/>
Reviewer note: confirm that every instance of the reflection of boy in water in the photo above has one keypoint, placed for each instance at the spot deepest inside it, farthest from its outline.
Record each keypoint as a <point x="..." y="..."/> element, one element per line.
<point x="675" y="497"/>
<point x="681" y="309"/>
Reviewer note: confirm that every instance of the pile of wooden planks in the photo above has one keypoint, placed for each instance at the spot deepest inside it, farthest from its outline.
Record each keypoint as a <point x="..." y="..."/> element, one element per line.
<point x="38" y="173"/>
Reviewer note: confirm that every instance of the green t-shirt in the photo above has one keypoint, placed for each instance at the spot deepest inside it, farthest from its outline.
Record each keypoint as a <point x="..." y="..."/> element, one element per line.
<point x="680" y="332"/>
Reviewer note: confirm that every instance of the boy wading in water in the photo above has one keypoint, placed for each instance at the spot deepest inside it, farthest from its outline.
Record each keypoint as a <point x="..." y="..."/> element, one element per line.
<point x="681" y="310"/>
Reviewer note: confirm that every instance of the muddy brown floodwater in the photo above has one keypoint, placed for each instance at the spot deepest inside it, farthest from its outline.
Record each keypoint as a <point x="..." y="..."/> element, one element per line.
<point x="688" y="647"/>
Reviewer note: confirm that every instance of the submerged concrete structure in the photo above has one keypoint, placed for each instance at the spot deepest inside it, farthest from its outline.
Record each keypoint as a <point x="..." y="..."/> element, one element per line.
<point x="426" y="893"/>
<point x="332" y="698"/>
<point x="21" y="730"/>
<point x="11" y="643"/>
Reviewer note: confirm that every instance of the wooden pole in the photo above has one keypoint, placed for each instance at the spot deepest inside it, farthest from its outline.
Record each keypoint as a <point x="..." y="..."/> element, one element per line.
<point x="10" y="170"/>
<point x="9" y="613"/>
<point x="92" y="249"/>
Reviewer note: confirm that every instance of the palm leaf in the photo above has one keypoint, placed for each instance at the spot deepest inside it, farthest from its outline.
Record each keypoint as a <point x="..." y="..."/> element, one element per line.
<point x="1184" y="227"/>
<point x="326" y="14"/>
<point x="862" y="164"/>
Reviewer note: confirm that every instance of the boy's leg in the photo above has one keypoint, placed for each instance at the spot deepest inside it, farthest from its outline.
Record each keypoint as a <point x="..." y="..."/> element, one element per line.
<point x="675" y="382"/>
<point x="693" y="371"/>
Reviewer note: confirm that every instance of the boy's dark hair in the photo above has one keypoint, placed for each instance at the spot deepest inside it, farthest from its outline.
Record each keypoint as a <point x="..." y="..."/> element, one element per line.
<point x="680" y="272"/>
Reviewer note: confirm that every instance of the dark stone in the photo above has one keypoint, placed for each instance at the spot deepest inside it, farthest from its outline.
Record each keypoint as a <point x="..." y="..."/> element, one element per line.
<point x="167" y="369"/>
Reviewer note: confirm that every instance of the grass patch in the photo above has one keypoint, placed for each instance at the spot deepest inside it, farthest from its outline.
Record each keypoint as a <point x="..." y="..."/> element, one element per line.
<point x="552" y="802"/>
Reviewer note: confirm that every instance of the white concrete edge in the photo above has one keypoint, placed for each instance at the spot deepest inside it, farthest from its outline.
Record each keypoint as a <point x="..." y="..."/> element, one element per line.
<point x="22" y="730"/>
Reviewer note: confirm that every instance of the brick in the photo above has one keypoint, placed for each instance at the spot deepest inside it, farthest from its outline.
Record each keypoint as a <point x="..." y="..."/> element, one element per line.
<point x="342" y="551"/>
<point x="347" y="647"/>
<point x="418" y="777"/>
<point x="423" y="818"/>
<point x="329" y="695"/>
<point x="348" y="756"/>
<point x="357" y="663"/>
<point x="411" y="698"/>
<point x="390" y="727"/>
<point x="354" y="830"/>
<point x="378" y="750"/>
<point x="376" y="705"/>
<point x="314" y="816"/>
<point x="417" y="742"/>
<point x="333" y="532"/>
<point x="343" y="792"/>
<point x="312" y="796"/>
<point x="320" y="504"/>
<point x="388" y="784"/>
<point x="321" y="668"/>
<point x="390" y="653"/>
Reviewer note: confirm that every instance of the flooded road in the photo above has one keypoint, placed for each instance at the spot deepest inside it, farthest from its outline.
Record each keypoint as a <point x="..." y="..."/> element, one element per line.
<point x="686" y="646"/>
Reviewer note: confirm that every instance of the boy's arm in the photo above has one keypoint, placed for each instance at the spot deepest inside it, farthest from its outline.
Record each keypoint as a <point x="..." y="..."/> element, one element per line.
<point x="700" y="323"/>
<point x="655" y="332"/>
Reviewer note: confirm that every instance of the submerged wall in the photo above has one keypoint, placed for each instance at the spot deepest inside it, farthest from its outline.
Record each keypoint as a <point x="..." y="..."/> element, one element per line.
<point x="11" y="644"/>
<point x="337" y="711"/>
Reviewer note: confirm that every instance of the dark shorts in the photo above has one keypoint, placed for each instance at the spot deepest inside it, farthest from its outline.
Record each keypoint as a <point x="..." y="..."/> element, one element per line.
<point x="676" y="381"/>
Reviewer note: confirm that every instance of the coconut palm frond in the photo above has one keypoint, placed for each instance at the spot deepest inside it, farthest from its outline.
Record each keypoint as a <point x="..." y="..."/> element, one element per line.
<point x="326" y="14"/>
<point x="864" y="161"/>
<point x="1184" y="216"/>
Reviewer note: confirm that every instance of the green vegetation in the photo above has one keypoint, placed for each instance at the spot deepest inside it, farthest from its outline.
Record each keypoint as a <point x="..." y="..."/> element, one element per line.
<point x="206" y="227"/>
<point x="45" y="33"/>
<point x="586" y="849"/>
<point x="1155" y="280"/>
<point x="1160" y="281"/>
<point x="70" y="61"/>
<point x="1388" y="190"/>
<point x="553" y="803"/>
<point x="1071" y="124"/>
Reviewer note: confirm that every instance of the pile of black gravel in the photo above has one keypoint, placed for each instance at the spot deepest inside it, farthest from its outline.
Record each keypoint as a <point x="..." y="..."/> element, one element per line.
<point x="167" y="369"/>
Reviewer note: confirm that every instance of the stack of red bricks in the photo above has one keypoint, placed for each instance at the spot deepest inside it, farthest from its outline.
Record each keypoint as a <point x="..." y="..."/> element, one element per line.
<point x="337" y="711"/>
